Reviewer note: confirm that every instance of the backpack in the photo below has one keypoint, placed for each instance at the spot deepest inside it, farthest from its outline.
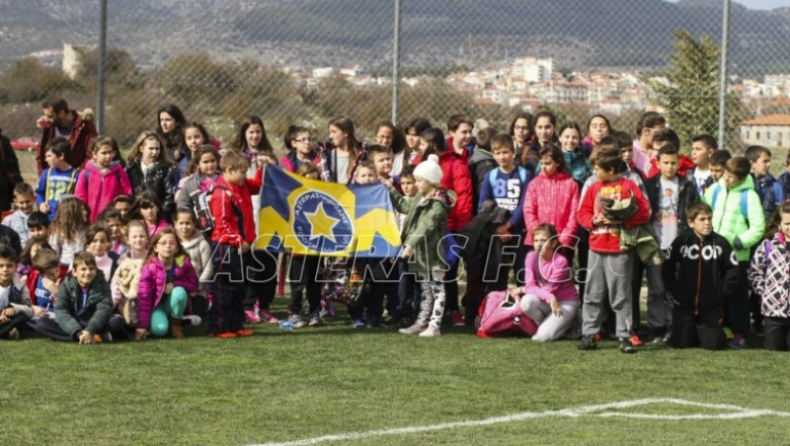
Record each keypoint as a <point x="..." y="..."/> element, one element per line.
<point x="205" y="221"/>
<point x="522" y="173"/>
<point x="744" y="201"/>
<point x="501" y="315"/>
<point x="87" y="174"/>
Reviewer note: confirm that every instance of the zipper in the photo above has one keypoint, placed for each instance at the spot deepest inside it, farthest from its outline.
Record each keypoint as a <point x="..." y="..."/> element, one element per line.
<point x="699" y="279"/>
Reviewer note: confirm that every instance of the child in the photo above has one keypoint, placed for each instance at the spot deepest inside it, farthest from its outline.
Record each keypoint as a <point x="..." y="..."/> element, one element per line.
<point x="391" y="137"/>
<point x="506" y="185"/>
<point x="521" y="131"/>
<point x="578" y="164"/>
<point x="148" y="209"/>
<point x="738" y="217"/>
<point x="59" y="180"/>
<point x="38" y="224"/>
<point x="201" y="176"/>
<point x="83" y="311"/>
<point x="15" y="307"/>
<point x="232" y="238"/>
<point x="199" y="251"/>
<point x="423" y="237"/>
<point x="252" y="142"/>
<point x="125" y="282"/>
<point x="97" y="242"/>
<point x="123" y="204"/>
<point x="338" y="159"/>
<point x="669" y="195"/>
<point x="550" y="298"/>
<point x="768" y="189"/>
<point x="68" y="232"/>
<point x="150" y="168"/>
<point x="768" y="277"/>
<point x="309" y="171"/>
<point x="166" y="283"/>
<point x="482" y="161"/>
<point x="408" y="289"/>
<point x="598" y="128"/>
<point x="697" y="272"/>
<point x="298" y="142"/>
<point x="111" y="218"/>
<point x="414" y="129"/>
<point x="702" y="148"/>
<point x="25" y="268"/>
<point x="717" y="163"/>
<point x="784" y="179"/>
<point x="610" y="265"/>
<point x="543" y="128"/>
<point x="103" y="179"/>
<point x="43" y="284"/>
<point x="381" y="158"/>
<point x="662" y="138"/>
<point x="649" y="123"/>
<point x="195" y="137"/>
<point x="24" y="199"/>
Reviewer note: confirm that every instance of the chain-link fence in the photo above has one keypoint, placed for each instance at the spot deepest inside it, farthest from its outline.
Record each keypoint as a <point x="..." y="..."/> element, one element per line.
<point x="306" y="61"/>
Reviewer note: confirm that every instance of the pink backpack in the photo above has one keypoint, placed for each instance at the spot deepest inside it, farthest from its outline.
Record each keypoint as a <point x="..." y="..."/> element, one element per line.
<point x="501" y="315"/>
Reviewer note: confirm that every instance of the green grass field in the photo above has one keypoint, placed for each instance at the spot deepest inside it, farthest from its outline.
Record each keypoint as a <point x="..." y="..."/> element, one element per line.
<point x="280" y="386"/>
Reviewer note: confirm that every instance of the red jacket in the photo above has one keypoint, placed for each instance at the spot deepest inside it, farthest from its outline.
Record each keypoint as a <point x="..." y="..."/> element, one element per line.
<point x="606" y="239"/>
<point x="80" y="141"/>
<point x="552" y="200"/>
<point x="227" y="201"/>
<point x="457" y="178"/>
<point x="685" y="164"/>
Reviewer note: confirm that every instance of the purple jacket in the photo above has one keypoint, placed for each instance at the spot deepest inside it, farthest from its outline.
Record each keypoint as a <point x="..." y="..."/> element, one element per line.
<point x="152" y="285"/>
<point x="544" y="279"/>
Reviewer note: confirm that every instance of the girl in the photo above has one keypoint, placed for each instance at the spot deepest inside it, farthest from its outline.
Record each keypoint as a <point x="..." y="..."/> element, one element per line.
<point x="24" y="269"/>
<point x="67" y="233"/>
<point x="124" y="284"/>
<point x="166" y="282"/>
<point x="598" y="128"/>
<point x="195" y="137"/>
<point x="150" y="168"/>
<point x="196" y="246"/>
<point x="298" y="142"/>
<point x="202" y="174"/>
<point x="768" y="277"/>
<point x="112" y="219"/>
<point x="252" y="142"/>
<point x="147" y="208"/>
<point x="521" y="131"/>
<point x="97" y="242"/>
<point x="122" y="204"/>
<point x="392" y="138"/>
<point x="577" y="162"/>
<point x="423" y="237"/>
<point x="543" y="131"/>
<point x="414" y="129"/>
<point x="341" y="155"/>
<point x="552" y="197"/>
<point x="550" y="297"/>
<point x="170" y="123"/>
<point x="103" y="179"/>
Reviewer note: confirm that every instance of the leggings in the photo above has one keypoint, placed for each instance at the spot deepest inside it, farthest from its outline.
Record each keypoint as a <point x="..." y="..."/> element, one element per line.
<point x="170" y="306"/>
<point x="433" y="300"/>
<point x="550" y="327"/>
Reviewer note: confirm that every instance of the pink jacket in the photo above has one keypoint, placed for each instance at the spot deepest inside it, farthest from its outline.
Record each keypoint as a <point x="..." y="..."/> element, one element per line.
<point x="98" y="190"/>
<point x="152" y="285"/>
<point x="552" y="200"/>
<point x="544" y="279"/>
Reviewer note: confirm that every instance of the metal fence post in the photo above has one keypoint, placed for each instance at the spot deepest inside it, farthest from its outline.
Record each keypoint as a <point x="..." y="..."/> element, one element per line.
<point x="102" y="63"/>
<point x="396" y="63"/>
<point x="725" y="38"/>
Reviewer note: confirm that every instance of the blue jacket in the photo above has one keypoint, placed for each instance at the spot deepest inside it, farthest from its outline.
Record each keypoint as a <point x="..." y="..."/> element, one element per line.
<point x="771" y="194"/>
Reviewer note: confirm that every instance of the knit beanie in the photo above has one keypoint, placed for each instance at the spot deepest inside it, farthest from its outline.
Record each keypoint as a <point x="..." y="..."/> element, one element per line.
<point x="429" y="170"/>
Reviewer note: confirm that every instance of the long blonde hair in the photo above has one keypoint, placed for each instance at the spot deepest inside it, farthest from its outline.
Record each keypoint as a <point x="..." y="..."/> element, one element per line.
<point x="136" y="154"/>
<point x="70" y="223"/>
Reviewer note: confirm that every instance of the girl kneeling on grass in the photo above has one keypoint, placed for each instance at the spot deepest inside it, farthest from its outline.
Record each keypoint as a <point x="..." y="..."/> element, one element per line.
<point x="166" y="282"/>
<point x="550" y="297"/>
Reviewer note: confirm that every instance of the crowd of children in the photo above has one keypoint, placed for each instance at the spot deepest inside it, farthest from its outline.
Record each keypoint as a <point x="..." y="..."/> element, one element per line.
<point x="107" y="248"/>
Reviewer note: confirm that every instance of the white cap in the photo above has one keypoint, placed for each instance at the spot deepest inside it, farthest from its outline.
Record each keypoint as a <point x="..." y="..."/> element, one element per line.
<point x="429" y="170"/>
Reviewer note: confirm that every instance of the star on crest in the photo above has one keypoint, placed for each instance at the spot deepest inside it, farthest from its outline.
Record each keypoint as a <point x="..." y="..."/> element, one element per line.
<point x="323" y="222"/>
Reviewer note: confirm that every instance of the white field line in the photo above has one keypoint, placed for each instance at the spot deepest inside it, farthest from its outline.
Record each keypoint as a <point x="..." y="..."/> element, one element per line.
<point x="601" y="410"/>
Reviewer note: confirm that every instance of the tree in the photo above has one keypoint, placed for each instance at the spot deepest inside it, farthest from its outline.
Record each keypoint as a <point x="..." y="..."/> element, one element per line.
<point x="691" y="99"/>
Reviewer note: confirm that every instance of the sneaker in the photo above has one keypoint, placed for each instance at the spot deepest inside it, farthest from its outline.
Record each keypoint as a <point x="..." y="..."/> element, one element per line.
<point x="457" y="319"/>
<point x="627" y="346"/>
<point x="243" y="333"/>
<point x="374" y="322"/>
<point x="635" y="341"/>
<point x="315" y="320"/>
<point x="414" y="329"/>
<point x="13" y="334"/>
<point x="430" y="332"/>
<point x="192" y="319"/>
<point x="251" y="317"/>
<point x="737" y="342"/>
<point x="587" y="343"/>
<point x="358" y="323"/>
<point x="267" y="316"/>
<point x="225" y="335"/>
<point x="296" y="320"/>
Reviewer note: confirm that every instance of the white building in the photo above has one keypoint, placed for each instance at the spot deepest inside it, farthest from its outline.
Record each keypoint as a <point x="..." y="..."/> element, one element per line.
<point x="770" y="131"/>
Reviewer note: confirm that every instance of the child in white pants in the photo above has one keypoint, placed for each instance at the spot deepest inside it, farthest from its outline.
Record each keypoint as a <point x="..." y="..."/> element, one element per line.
<point x="550" y="297"/>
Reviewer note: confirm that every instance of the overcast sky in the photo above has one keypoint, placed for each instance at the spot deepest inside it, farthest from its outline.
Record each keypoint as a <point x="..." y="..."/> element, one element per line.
<point x="758" y="4"/>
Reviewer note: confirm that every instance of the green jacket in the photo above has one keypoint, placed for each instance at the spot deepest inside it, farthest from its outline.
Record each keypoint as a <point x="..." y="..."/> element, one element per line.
<point x="729" y="221"/>
<point x="99" y="305"/>
<point x="425" y="228"/>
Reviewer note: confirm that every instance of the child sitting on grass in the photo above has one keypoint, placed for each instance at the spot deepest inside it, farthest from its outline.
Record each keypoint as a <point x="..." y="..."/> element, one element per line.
<point x="15" y="307"/>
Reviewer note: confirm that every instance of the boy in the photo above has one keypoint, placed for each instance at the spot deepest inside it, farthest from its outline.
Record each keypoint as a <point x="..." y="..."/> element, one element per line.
<point x="697" y="273"/>
<point x="784" y="179"/>
<point x="662" y="138"/>
<point x="460" y="142"/>
<point x="649" y="123"/>
<point x="38" y="225"/>
<point x="83" y="311"/>
<point x="738" y="217"/>
<point x="58" y="180"/>
<point x="610" y="267"/>
<point x="623" y="141"/>
<point x="506" y="186"/>
<point x="43" y="283"/>
<point x="111" y="218"/>
<point x="15" y="307"/>
<point x="482" y="162"/>
<point x="232" y="238"/>
<point x="669" y="195"/>
<point x="381" y="157"/>
<point x="768" y="189"/>
<point x="702" y="148"/>
<point x="24" y="200"/>
<point x="717" y="162"/>
<point x="409" y="288"/>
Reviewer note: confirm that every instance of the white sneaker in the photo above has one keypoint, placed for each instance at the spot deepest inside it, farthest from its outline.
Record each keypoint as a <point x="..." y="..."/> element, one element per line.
<point x="413" y="329"/>
<point x="192" y="319"/>
<point x="431" y="332"/>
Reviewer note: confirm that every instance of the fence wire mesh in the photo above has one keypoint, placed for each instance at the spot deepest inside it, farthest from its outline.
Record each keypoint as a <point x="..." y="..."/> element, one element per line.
<point x="306" y="61"/>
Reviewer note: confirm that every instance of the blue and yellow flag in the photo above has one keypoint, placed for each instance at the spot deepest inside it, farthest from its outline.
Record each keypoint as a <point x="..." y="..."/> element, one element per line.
<point x="304" y="216"/>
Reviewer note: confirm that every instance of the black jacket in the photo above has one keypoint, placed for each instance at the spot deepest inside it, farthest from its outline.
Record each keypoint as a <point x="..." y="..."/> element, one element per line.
<point x="476" y="238"/>
<point x="97" y="312"/>
<point x="10" y="174"/>
<point x="10" y="238"/>
<point x="697" y="272"/>
<point x="687" y="195"/>
<point x="160" y="179"/>
<point x="480" y="164"/>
